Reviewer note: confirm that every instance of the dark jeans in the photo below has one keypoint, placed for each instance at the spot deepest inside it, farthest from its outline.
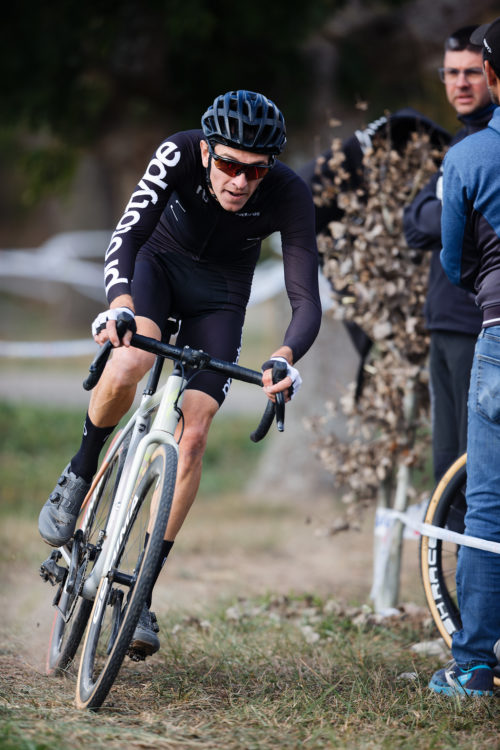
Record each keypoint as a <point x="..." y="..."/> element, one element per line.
<point x="451" y="356"/>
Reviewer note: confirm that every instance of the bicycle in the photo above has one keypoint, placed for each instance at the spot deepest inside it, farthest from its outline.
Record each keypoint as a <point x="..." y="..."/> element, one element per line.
<point x="441" y="535"/>
<point x="104" y="573"/>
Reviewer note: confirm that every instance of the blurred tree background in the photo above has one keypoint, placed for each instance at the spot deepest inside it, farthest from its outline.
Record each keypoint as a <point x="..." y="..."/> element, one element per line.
<point x="90" y="88"/>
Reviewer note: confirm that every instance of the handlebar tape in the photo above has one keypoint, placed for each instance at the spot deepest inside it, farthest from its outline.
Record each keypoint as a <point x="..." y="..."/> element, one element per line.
<point x="272" y="409"/>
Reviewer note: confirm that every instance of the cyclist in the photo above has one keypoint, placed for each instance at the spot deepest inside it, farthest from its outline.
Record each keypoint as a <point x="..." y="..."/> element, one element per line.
<point x="471" y="258"/>
<point x="187" y="246"/>
<point x="451" y="314"/>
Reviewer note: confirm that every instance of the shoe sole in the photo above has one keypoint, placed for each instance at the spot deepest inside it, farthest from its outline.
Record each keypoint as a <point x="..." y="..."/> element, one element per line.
<point x="55" y="543"/>
<point x="144" y="647"/>
<point x="437" y="687"/>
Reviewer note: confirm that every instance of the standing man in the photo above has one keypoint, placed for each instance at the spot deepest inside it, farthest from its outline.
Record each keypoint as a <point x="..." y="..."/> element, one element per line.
<point x="451" y="314"/>
<point x="187" y="246"/>
<point x="471" y="258"/>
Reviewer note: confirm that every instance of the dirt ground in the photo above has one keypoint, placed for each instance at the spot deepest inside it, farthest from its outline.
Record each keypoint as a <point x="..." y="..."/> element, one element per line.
<point x="230" y="547"/>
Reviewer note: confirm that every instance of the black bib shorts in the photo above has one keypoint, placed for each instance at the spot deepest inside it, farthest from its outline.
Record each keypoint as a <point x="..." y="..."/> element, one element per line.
<point x="206" y="299"/>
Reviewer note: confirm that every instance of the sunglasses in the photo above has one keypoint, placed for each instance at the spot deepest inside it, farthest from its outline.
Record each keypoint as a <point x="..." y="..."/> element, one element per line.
<point x="234" y="168"/>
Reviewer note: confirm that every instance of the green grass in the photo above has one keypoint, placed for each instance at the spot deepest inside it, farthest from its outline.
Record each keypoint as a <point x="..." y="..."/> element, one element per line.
<point x="37" y="442"/>
<point x="230" y="456"/>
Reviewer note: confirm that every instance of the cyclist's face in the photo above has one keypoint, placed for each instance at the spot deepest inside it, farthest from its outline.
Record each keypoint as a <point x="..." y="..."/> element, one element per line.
<point x="463" y="94"/>
<point x="232" y="192"/>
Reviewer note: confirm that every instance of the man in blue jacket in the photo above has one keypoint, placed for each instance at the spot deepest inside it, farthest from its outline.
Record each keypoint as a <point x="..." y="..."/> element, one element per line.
<point x="451" y="314"/>
<point x="471" y="259"/>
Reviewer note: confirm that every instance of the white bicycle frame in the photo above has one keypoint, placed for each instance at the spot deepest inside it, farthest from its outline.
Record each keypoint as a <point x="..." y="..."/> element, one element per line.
<point x="162" y="431"/>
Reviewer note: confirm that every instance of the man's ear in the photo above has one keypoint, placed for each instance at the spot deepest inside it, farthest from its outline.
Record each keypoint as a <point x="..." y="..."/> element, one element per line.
<point x="491" y="77"/>
<point x="204" y="153"/>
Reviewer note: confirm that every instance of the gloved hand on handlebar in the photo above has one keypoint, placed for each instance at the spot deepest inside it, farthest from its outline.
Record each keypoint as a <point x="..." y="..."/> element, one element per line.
<point x="102" y="331"/>
<point x="293" y="380"/>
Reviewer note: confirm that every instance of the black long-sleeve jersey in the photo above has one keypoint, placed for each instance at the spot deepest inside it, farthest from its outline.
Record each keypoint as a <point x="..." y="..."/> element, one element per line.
<point x="172" y="211"/>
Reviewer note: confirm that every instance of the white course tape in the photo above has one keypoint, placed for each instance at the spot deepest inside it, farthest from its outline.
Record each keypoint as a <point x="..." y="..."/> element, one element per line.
<point x="436" y="532"/>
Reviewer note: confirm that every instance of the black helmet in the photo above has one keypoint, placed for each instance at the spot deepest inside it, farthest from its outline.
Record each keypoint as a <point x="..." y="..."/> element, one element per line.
<point x="245" y="120"/>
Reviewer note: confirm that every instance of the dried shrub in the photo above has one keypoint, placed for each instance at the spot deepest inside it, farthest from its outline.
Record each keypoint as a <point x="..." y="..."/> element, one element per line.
<point x="379" y="285"/>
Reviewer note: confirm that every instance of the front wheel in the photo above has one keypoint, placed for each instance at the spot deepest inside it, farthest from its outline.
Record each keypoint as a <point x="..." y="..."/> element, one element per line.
<point x="123" y="590"/>
<point x="72" y="611"/>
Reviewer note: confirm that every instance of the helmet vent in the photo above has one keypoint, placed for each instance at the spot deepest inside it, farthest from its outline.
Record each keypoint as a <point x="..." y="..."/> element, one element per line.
<point x="245" y="120"/>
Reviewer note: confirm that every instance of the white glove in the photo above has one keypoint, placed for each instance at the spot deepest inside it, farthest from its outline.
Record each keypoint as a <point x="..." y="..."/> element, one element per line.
<point x="100" y="322"/>
<point x="291" y="371"/>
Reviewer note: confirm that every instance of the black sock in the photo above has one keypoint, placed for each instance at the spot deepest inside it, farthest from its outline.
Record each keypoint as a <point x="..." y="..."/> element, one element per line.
<point x="165" y="549"/>
<point x="84" y="463"/>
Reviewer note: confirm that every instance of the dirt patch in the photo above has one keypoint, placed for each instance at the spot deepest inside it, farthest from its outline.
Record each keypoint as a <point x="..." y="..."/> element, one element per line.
<point x="230" y="547"/>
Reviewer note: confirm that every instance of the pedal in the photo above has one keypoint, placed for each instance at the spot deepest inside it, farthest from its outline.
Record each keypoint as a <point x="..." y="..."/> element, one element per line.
<point x="136" y="655"/>
<point x="52" y="572"/>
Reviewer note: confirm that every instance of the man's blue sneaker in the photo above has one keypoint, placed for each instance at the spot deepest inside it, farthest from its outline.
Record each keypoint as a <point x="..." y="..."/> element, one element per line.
<point x="453" y="680"/>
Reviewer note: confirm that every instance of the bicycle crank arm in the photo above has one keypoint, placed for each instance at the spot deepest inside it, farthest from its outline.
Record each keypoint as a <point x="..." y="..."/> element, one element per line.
<point x="115" y="576"/>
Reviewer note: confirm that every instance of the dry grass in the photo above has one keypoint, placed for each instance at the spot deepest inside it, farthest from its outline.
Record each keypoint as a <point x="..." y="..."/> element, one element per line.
<point x="273" y="673"/>
<point x="273" y="670"/>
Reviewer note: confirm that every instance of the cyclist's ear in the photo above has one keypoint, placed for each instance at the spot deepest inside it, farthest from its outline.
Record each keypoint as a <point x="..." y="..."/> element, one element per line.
<point x="204" y="153"/>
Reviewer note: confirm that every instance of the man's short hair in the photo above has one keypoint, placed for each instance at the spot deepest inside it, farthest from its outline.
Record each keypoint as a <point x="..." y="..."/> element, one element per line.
<point x="460" y="40"/>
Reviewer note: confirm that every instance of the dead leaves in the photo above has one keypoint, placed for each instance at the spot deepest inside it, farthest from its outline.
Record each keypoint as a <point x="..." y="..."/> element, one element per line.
<point x="365" y="256"/>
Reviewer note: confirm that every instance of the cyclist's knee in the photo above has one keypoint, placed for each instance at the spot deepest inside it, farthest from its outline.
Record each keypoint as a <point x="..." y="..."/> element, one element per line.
<point x="128" y="366"/>
<point x="193" y="443"/>
<point x="199" y="409"/>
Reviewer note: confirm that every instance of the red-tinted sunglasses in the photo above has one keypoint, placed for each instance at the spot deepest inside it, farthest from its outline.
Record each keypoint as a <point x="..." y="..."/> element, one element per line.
<point x="234" y="168"/>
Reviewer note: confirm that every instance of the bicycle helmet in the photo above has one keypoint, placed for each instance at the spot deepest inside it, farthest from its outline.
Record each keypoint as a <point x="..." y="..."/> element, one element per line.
<point x="245" y="120"/>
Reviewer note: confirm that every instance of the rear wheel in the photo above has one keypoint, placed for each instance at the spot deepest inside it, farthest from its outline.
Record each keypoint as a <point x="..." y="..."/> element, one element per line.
<point x="438" y="559"/>
<point x="72" y="611"/>
<point x="123" y="591"/>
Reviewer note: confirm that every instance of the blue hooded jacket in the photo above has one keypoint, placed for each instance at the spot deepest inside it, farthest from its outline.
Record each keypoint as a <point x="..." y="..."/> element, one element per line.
<point x="470" y="222"/>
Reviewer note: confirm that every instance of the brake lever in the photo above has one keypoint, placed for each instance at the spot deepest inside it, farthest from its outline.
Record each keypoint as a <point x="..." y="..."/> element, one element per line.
<point x="280" y="370"/>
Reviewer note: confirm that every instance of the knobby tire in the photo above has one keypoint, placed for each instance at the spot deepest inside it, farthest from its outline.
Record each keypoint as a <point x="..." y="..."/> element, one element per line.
<point x="65" y="636"/>
<point x="438" y="559"/>
<point x="117" y="608"/>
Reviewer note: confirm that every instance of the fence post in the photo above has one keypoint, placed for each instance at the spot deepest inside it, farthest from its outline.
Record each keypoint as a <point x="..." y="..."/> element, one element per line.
<point x="388" y="531"/>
